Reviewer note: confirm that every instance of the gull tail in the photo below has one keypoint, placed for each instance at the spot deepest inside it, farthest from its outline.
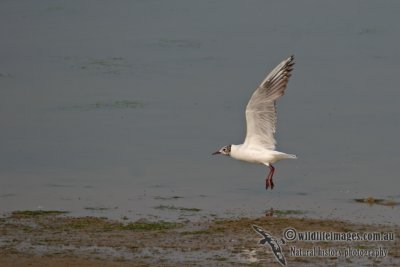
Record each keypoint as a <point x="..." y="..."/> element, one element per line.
<point x="281" y="155"/>
<point x="289" y="156"/>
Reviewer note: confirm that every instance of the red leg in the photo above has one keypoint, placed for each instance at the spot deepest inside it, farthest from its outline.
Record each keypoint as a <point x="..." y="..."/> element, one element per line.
<point x="268" y="180"/>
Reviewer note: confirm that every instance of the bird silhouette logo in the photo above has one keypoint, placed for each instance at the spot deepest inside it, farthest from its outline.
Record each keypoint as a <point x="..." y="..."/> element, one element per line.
<point x="273" y="242"/>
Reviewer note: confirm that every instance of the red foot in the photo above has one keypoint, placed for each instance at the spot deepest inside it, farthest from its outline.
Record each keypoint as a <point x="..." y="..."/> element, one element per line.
<point x="269" y="183"/>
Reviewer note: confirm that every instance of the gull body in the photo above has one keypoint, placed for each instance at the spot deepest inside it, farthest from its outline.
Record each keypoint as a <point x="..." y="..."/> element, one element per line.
<point x="262" y="156"/>
<point x="259" y="144"/>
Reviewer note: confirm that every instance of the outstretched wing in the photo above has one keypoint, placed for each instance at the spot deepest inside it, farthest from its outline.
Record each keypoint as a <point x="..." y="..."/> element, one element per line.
<point x="261" y="109"/>
<point x="259" y="230"/>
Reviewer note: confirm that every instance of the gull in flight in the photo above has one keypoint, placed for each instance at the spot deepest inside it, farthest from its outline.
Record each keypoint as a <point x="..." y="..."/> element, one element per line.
<point x="259" y="145"/>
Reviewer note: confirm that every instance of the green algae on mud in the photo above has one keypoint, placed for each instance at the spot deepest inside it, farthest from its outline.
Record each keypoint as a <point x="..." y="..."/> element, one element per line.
<point x="140" y="225"/>
<point x="94" y="224"/>
<point x="167" y="198"/>
<point x="197" y="232"/>
<point x="33" y="213"/>
<point x="99" y="208"/>
<point x="170" y="207"/>
<point x="149" y="226"/>
<point x="289" y="212"/>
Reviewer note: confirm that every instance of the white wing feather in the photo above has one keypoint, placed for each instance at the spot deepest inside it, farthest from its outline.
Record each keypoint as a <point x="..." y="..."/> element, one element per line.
<point x="261" y="109"/>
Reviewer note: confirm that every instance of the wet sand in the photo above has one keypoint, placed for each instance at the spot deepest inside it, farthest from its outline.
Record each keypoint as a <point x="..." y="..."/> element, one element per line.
<point x="47" y="239"/>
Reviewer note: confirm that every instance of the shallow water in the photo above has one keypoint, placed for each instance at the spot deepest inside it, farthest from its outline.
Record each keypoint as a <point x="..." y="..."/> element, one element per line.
<point x="112" y="109"/>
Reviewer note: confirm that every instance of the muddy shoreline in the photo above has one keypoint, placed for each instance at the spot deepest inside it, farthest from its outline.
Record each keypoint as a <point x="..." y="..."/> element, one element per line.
<point x="54" y="239"/>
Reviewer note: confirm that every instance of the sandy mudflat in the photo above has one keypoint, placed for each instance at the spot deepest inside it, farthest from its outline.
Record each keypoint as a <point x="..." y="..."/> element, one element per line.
<point x="58" y="240"/>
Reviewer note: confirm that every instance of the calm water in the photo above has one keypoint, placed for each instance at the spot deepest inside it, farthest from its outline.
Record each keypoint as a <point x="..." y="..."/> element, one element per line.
<point x="113" y="109"/>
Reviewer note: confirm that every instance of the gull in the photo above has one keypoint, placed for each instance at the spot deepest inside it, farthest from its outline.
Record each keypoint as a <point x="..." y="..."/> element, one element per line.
<point x="259" y="144"/>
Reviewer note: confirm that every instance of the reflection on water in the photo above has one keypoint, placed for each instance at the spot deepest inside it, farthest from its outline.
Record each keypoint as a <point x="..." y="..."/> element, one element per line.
<point x="114" y="109"/>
